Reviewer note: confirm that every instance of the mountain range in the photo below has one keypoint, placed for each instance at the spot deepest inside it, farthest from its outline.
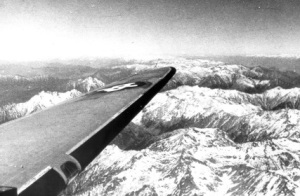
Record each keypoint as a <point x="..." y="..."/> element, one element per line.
<point x="215" y="129"/>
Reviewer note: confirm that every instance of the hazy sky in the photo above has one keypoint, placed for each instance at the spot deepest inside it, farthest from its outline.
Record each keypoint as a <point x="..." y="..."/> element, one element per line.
<point x="47" y="29"/>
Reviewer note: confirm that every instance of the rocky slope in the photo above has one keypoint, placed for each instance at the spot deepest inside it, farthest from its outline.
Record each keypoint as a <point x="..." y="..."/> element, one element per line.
<point x="215" y="130"/>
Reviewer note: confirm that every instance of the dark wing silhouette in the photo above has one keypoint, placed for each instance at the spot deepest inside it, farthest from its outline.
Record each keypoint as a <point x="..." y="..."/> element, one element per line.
<point x="41" y="153"/>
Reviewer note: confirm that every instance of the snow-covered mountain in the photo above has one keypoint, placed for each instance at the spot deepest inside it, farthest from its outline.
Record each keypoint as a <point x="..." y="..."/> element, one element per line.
<point x="19" y="89"/>
<point x="15" y="90"/>
<point x="193" y="161"/>
<point x="36" y="103"/>
<point x="85" y="85"/>
<point x="216" y="74"/>
<point x="216" y="129"/>
<point x="245" y="117"/>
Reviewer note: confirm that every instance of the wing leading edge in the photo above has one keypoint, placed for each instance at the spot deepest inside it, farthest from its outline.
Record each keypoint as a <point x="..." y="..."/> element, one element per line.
<point x="41" y="153"/>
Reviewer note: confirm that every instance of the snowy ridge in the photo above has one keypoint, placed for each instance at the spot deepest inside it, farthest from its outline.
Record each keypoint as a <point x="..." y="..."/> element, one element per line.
<point x="189" y="161"/>
<point x="213" y="74"/>
<point x="36" y="103"/>
<point x="216" y="74"/>
<point x="216" y="129"/>
<point x="46" y="99"/>
<point x="86" y="85"/>
<point x="243" y="116"/>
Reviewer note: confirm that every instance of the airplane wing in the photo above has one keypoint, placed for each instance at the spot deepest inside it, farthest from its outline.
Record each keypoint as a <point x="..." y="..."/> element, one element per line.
<point x="41" y="153"/>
